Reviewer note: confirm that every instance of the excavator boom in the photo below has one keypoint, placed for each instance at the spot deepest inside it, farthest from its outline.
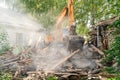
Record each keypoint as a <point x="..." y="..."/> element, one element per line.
<point x="69" y="12"/>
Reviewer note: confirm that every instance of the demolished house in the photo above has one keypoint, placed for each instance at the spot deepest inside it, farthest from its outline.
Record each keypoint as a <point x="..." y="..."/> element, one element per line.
<point x="72" y="59"/>
<point x="100" y="35"/>
<point x="21" y="30"/>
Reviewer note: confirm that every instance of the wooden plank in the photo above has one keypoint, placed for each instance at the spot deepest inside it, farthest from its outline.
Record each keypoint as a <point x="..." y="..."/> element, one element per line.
<point x="65" y="59"/>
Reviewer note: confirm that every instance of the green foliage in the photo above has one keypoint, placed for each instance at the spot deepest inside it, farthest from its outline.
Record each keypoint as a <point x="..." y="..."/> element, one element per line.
<point x="81" y="29"/>
<point x="43" y="6"/>
<point x="111" y="70"/>
<point x="52" y="78"/>
<point x="116" y="24"/>
<point x="4" y="45"/>
<point x="47" y="20"/>
<point x="116" y="78"/>
<point x="44" y="10"/>
<point x="92" y="11"/>
<point x="114" y="7"/>
<point x="85" y="11"/>
<point x="89" y="11"/>
<point x="5" y="76"/>
<point x="113" y="54"/>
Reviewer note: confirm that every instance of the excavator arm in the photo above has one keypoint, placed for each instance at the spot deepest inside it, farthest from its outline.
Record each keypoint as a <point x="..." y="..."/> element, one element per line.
<point x="69" y="12"/>
<point x="72" y="26"/>
<point x="66" y="11"/>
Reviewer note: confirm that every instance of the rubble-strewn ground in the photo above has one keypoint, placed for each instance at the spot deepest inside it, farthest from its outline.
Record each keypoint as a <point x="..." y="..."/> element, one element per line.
<point x="39" y="63"/>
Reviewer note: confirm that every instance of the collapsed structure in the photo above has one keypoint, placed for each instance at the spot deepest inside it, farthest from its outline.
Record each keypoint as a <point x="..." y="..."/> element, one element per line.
<point x="99" y="33"/>
<point x="64" y="59"/>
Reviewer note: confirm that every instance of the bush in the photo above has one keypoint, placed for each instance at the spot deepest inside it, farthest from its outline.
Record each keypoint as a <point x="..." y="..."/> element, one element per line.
<point x="116" y="78"/>
<point x="5" y="76"/>
<point x="113" y="54"/>
<point x="4" y="45"/>
<point x="52" y="78"/>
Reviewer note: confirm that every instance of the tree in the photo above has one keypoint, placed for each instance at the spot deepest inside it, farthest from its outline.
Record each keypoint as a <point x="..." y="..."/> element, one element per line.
<point x="44" y="10"/>
<point x="86" y="12"/>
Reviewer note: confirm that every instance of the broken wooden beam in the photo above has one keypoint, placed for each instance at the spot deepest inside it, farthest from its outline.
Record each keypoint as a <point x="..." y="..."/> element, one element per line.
<point x="11" y="60"/>
<point x="65" y="73"/>
<point x="73" y="70"/>
<point x="7" y="64"/>
<point x="65" y="59"/>
<point x="39" y="72"/>
<point x="98" y="50"/>
<point x="107" y="22"/>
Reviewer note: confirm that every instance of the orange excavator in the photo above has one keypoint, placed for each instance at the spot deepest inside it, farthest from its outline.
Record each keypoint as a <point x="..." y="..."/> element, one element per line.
<point x="69" y="12"/>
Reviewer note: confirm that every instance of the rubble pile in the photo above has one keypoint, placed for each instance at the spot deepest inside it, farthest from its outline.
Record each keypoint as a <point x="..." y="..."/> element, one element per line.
<point x="53" y="59"/>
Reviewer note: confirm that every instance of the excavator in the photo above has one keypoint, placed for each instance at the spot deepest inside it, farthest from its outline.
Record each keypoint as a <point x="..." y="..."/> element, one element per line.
<point x="66" y="11"/>
<point x="72" y="41"/>
<point x="69" y="12"/>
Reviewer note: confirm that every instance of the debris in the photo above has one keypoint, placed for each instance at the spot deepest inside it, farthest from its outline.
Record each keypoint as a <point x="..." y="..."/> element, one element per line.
<point x="24" y="59"/>
<point x="99" y="51"/>
<point x="65" y="59"/>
